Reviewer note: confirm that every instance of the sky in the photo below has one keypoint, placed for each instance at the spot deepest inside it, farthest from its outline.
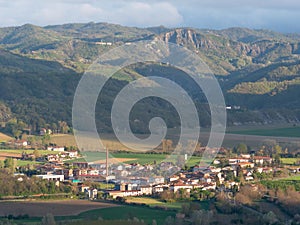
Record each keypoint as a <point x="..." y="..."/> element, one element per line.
<point x="278" y="15"/>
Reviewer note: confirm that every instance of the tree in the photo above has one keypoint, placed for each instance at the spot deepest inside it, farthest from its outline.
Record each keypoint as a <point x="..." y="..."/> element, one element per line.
<point x="167" y="145"/>
<point x="48" y="220"/>
<point x="270" y="218"/>
<point x="277" y="160"/>
<point x="15" y="127"/>
<point x="241" y="148"/>
<point x="36" y="153"/>
<point x="277" y="150"/>
<point x="63" y="127"/>
<point x="10" y="164"/>
<point x="202" y="217"/>
<point x="45" y="139"/>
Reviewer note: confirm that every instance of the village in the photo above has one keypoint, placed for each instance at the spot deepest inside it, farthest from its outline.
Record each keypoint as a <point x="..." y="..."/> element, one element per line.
<point x="121" y="180"/>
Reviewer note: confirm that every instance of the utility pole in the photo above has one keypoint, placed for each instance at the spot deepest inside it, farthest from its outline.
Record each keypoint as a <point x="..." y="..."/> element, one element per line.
<point x="106" y="163"/>
<point x="106" y="168"/>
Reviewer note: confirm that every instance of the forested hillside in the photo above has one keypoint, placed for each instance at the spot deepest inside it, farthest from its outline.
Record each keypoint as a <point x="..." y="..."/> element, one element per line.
<point x="40" y="68"/>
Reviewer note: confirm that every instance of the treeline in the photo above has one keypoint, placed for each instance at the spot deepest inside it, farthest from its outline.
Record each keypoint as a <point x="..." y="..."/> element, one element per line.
<point x="19" y="129"/>
<point x="22" y="185"/>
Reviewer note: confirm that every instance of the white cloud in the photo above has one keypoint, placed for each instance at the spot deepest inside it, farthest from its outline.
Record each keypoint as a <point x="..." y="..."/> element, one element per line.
<point x="130" y="13"/>
<point x="144" y="14"/>
<point x="273" y="14"/>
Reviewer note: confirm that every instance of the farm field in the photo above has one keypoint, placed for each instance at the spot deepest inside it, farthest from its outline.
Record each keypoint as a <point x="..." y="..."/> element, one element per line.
<point x="20" y="151"/>
<point x="18" y="154"/>
<point x="272" y="132"/>
<point x="26" y="162"/>
<point x="154" y="202"/>
<point x="4" y="137"/>
<point x="81" y="210"/>
<point x="124" y="212"/>
<point x="57" y="208"/>
<point x="253" y="136"/>
<point x="293" y="178"/>
<point x="289" y="161"/>
<point x="132" y="158"/>
<point x="69" y="140"/>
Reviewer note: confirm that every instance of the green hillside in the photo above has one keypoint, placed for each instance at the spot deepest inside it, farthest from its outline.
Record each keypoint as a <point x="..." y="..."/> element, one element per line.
<point x="40" y="68"/>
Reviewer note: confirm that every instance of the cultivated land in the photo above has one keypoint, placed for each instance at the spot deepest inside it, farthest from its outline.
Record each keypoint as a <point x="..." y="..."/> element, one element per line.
<point x="4" y="137"/>
<point x="141" y="158"/>
<point x="69" y="140"/>
<point x="253" y="136"/>
<point x="272" y="132"/>
<point x="289" y="161"/>
<point x="168" y="205"/>
<point x="4" y="153"/>
<point x="124" y="213"/>
<point x="57" y="208"/>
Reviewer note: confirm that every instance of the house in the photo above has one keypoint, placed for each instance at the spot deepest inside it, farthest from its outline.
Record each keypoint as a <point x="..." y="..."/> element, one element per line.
<point x="233" y="161"/>
<point x="141" y="190"/>
<point x="209" y="186"/>
<point x="83" y="188"/>
<point x="157" y="180"/>
<point x="173" y="178"/>
<point x="56" y="148"/>
<point x="246" y="164"/>
<point x="93" y="178"/>
<point x="262" y="159"/>
<point x="81" y="165"/>
<point x="245" y="156"/>
<point x="178" y="186"/>
<point x="146" y="190"/>
<point x="115" y="194"/>
<point x="44" y="131"/>
<point x="249" y="178"/>
<point x="68" y="173"/>
<point x="91" y="193"/>
<point x="159" y="188"/>
<point x="52" y="177"/>
<point x="20" y="143"/>
<point x="72" y="153"/>
<point x="53" y="158"/>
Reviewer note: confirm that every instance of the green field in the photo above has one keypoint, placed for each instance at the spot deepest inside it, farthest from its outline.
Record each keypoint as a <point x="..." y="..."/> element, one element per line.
<point x="123" y="213"/>
<point x="133" y="157"/>
<point x="26" y="162"/>
<point x="289" y="161"/>
<point x="273" y="132"/>
<point x="155" y="202"/>
<point x="20" y="151"/>
<point x="293" y="178"/>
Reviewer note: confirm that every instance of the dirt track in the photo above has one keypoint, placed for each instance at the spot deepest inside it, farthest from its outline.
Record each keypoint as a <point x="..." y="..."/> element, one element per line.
<point x="57" y="208"/>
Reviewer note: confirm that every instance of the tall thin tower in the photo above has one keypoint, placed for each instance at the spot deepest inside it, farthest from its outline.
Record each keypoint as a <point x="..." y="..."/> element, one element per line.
<point x="106" y="163"/>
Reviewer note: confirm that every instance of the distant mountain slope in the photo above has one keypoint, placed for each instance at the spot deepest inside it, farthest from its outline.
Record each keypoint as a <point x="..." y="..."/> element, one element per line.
<point x="36" y="90"/>
<point x="41" y="66"/>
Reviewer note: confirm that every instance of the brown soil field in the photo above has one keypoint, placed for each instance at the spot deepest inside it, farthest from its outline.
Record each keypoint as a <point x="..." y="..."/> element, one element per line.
<point x="57" y="208"/>
<point x="69" y="140"/>
<point x="7" y="154"/>
<point x="230" y="140"/>
<point x="4" y="137"/>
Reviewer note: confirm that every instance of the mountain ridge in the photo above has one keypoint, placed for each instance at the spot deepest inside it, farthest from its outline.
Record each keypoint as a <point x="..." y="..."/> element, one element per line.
<point x="257" y="69"/>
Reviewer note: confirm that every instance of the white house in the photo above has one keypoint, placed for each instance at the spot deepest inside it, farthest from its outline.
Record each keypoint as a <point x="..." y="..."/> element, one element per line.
<point x="52" y="177"/>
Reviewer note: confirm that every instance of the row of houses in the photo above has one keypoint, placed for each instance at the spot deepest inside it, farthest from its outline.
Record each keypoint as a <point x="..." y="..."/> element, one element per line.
<point x="246" y="160"/>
